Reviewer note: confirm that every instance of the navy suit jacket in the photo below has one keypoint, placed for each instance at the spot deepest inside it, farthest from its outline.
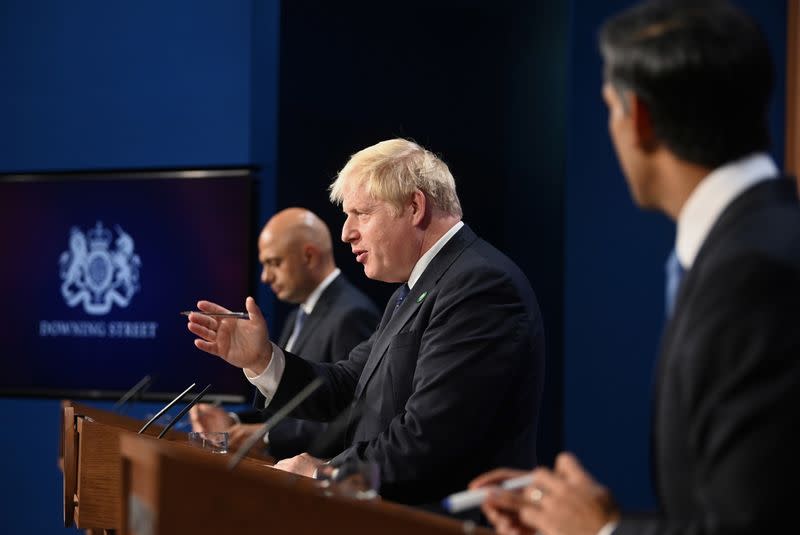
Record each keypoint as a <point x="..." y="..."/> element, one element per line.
<point x="342" y="318"/>
<point x="726" y="440"/>
<point x="450" y="383"/>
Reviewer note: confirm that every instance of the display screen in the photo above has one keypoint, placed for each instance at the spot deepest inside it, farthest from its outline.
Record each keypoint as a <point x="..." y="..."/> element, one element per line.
<point x="96" y="268"/>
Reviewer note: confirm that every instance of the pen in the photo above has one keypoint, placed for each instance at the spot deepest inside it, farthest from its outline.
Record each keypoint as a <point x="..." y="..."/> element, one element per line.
<point x="237" y="315"/>
<point x="461" y="501"/>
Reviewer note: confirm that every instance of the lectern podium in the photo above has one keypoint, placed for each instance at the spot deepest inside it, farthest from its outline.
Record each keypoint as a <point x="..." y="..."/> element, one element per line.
<point x="90" y="461"/>
<point x="169" y="488"/>
<point x="89" y="452"/>
<point x="116" y="481"/>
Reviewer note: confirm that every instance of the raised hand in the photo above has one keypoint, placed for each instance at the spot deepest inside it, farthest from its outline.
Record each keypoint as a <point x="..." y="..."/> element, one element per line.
<point x="243" y="343"/>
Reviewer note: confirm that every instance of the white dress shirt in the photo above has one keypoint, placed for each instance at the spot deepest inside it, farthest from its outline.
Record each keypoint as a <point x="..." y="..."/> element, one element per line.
<point x="710" y="198"/>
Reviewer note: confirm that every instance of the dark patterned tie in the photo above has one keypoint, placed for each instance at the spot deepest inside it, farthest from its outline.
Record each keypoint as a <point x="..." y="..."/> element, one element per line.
<point x="401" y="296"/>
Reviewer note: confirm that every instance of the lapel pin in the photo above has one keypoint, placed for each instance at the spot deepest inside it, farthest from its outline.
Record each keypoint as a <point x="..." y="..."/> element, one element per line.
<point x="421" y="297"/>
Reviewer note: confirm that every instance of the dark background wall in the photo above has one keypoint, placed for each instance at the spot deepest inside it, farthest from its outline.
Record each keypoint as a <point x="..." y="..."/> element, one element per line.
<point x="507" y="92"/>
<point x="483" y="84"/>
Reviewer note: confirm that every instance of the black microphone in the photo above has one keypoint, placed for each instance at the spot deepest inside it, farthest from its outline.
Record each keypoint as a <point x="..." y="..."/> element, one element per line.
<point x="138" y="388"/>
<point x="183" y="411"/>
<point x="282" y="413"/>
<point x="336" y="429"/>
<point x="165" y="409"/>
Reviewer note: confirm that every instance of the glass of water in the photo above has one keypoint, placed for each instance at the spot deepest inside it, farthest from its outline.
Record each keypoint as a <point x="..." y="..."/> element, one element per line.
<point x="213" y="441"/>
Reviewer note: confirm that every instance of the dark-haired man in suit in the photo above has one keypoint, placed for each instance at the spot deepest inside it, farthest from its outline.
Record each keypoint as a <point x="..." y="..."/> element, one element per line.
<point x="331" y="318"/>
<point x="687" y="86"/>
<point x="451" y="380"/>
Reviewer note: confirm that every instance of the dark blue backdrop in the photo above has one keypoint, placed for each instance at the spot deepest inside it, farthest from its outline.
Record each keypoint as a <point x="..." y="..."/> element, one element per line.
<point x="98" y="85"/>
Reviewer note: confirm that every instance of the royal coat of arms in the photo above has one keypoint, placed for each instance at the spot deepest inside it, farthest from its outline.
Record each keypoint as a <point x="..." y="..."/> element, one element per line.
<point x="96" y="275"/>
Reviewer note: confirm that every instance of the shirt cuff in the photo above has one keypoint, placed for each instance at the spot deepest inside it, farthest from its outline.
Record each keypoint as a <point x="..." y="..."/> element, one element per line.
<point x="267" y="382"/>
<point x="608" y="529"/>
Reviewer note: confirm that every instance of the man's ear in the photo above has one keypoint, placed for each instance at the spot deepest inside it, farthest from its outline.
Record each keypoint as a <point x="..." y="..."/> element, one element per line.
<point x="642" y="123"/>
<point x="310" y="255"/>
<point x="419" y="205"/>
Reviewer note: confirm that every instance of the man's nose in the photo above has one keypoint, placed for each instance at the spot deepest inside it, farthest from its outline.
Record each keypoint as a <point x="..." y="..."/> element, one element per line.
<point x="266" y="275"/>
<point x="349" y="233"/>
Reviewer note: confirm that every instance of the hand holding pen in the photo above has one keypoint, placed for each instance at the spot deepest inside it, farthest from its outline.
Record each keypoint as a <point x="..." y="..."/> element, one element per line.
<point x="565" y="499"/>
<point x="235" y="315"/>
<point x="479" y="489"/>
<point x="245" y="344"/>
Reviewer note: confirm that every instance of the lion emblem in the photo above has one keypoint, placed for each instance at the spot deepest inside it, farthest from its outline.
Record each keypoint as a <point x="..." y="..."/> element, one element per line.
<point x="95" y="275"/>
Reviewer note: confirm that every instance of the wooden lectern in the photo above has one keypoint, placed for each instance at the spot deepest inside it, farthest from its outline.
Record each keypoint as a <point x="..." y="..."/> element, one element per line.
<point x="171" y="488"/>
<point x="116" y="481"/>
<point x="90" y="460"/>
<point x="89" y="452"/>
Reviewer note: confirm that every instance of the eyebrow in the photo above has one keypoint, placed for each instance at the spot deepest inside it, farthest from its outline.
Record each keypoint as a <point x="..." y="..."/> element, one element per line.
<point x="371" y="207"/>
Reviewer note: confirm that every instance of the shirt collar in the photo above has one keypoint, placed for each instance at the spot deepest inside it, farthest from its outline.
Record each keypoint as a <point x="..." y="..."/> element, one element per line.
<point x="426" y="259"/>
<point x="309" y="304"/>
<point x="711" y="196"/>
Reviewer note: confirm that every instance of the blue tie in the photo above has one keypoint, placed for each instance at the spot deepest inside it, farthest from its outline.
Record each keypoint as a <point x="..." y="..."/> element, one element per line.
<point x="401" y="296"/>
<point x="674" y="271"/>
<point x="298" y="325"/>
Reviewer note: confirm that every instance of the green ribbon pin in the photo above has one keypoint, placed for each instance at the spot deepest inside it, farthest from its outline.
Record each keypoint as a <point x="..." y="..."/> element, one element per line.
<point x="421" y="297"/>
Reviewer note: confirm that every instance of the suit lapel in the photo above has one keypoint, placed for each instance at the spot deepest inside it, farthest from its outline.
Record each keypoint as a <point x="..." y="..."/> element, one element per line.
<point x="321" y="310"/>
<point x="733" y="215"/>
<point x="424" y="286"/>
<point x="286" y="332"/>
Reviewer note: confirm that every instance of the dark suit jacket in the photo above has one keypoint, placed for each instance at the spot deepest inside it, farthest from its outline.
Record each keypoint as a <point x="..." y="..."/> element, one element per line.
<point x="726" y="439"/>
<point x="342" y="318"/>
<point x="450" y="382"/>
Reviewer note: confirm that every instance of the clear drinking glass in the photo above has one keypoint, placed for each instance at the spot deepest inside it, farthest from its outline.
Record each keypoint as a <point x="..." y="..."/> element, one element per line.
<point x="213" y="441"/>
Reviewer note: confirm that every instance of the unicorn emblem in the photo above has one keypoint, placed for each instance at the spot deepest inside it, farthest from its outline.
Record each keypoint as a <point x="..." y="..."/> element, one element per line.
<point x="95" y="276"/>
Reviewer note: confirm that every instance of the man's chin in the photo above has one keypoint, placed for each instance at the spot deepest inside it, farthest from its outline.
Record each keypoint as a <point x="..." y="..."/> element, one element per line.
<point x="367" y="272"/>
<point x="370" y="273"/>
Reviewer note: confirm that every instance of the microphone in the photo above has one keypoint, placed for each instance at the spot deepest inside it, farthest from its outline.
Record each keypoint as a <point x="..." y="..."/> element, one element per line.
<point x="138" y="388"/>
<point x="282" y="413"/>
<point x="165" y="409"/>
<point x="183" y="411"/>
<point x="325" y="440"/>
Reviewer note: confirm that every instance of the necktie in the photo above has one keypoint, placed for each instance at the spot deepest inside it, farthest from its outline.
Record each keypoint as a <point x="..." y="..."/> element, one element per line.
<point x="674" y="271"/>
<point x="299" y="319"/>
<point x="401" y="296"/>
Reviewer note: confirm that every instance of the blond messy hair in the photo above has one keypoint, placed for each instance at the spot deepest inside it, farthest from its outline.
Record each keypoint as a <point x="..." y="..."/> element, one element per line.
<point x="391" y="170"/>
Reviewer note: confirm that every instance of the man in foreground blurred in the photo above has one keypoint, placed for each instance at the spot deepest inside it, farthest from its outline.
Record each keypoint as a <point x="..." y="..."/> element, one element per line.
<point x="687" y="86"/>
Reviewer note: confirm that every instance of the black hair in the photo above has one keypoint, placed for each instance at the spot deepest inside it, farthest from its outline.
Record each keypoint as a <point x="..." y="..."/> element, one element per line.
<point x="703" y="70"/>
